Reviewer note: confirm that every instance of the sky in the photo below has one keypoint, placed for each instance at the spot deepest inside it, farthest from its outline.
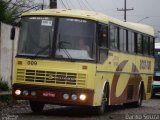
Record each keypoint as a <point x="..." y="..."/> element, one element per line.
<point x="145" y="11"/>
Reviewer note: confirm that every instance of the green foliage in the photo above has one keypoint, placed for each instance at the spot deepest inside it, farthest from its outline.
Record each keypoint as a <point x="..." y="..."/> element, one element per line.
<point x="3" y="85"/>
<point x="6" y="98"/>
<point x="10" y="10"/>
<point x="8" y="13"/>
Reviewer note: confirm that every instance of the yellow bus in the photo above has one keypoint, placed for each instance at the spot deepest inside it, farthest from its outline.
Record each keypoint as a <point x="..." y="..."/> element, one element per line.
<point x="82" y="58"/>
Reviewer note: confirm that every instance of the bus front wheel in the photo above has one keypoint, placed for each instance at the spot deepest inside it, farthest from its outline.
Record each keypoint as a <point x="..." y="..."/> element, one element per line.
<point x="101" y="109"/>
<point x="36" y="106"/>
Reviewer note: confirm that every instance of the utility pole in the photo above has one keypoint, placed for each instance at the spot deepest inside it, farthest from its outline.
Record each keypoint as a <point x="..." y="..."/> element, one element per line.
<point x="53" y="4"/>
<point x="125" y="10"/>
<point x="42" y="5"/>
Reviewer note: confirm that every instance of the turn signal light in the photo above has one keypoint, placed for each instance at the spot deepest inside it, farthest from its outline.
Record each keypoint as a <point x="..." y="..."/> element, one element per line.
<point x="84" y="67"/>
<point x="74" y="97"/>
<point x="19" y="62"/>
<point x="25" y="93"/>
<point x="66" y="96"/>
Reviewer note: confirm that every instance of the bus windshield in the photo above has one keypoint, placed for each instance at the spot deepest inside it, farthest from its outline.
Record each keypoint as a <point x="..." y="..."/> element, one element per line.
<point x="68" y="38"/>
<point x="35" y="34"/>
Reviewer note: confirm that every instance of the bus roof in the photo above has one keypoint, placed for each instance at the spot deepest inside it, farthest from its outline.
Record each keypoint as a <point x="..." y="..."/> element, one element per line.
<point x="92" y="16"/>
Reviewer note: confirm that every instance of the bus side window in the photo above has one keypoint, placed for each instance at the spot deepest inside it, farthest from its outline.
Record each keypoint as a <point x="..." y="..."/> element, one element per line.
<point x="151" y="46"/>
<point x="113" y="30"/>
<point x="131" y="42"/>
<point x="103" y="42"/>
<point x="145" y="45"/>
<point x="122" y="40"/>
<point x="139" y="44"/>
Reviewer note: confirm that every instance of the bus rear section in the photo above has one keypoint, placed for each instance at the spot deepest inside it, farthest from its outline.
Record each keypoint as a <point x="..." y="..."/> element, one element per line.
<point x="156" y="80"/>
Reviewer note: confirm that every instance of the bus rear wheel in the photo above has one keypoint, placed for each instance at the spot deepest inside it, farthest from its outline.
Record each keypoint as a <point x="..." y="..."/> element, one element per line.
<point x="36" y="107"/>
<point x="153" y="95"/>
<point x="140" y="98"/>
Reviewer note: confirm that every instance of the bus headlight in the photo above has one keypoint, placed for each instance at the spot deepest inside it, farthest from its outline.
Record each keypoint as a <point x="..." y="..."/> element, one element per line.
<point x="33" y="93"/>
<point x="25" y="93"/>
<point x="74" y="97"/>
<point x="66" y="96"/>
<point x="82" y="97"/>
<point x="17" y="92"/>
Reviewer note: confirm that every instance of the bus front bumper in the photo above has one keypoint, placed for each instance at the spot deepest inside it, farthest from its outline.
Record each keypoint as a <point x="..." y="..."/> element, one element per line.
<point x="53" y="95"/>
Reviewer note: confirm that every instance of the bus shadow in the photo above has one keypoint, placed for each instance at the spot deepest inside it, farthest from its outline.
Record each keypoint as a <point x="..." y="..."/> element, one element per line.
<point x="70" y="111"/>
<point x="79" y="112"/>
<point x="156" y="96"/>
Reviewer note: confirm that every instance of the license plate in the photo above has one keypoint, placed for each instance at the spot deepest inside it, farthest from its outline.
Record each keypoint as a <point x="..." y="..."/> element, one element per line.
<point x="48" y="94"/>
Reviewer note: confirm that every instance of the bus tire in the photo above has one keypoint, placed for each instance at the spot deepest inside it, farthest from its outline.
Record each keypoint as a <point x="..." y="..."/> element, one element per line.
<point x="36" y="107"/>
<point x="100" y="110"/>
<point x="140" y="98"/>
<point x="153" y="95"/>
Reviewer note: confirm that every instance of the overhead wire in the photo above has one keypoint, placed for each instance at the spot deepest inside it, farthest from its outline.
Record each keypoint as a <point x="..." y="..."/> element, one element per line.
<point x="67" y="4"/>
<point x="85" y="5"/>
<point x="144" y="16"/>
<point x="90" y="6"/>
<point x="81" y="7"/>
<point x="63" y="4"/>
<point x="71" y="3"/>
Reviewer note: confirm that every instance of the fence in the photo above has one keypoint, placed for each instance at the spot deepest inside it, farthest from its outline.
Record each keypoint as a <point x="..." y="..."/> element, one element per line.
<point x="8" y="50"/>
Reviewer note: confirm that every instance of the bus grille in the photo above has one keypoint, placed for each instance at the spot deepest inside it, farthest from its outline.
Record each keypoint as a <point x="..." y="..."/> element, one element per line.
<point x="52" y="77"/>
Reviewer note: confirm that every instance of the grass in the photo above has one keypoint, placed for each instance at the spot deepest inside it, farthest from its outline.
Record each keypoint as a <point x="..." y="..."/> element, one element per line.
<point x="4" y="87"/>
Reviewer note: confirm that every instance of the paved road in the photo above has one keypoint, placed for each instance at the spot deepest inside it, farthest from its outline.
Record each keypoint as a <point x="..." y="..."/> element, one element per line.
<point x="150" y="110"/>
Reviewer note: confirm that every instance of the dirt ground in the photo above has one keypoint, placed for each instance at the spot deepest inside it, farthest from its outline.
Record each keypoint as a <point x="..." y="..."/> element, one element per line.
<point x="150" y="110"/>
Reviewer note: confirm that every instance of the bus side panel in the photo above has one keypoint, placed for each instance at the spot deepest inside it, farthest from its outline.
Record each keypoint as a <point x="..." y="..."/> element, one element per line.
<point x="125" y="84"/>
<point x="146" y="68"/>
<point x="147" y="86"/>
<point x="124" y="74"/>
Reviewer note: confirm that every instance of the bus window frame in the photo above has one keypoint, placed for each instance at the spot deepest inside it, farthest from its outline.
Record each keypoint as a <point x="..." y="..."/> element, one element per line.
<point x="117" y="26"/>
<point x="52" y="56"/>
<point x="146" y="53"/>
<point x="124" y="34"/>
<point x="99" y="24"/>
<point x="135" y="45"/>
<point x="153" y="45"/>
<point x="139" y="52"/>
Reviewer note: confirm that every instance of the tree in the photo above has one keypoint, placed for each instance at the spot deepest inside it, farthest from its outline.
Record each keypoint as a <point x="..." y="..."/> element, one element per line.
<point x="10" y="10"/>
<point x="7" y="14"/>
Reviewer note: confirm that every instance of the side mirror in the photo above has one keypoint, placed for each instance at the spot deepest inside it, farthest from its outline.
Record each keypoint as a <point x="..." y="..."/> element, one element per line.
<point x="12" y="33"/>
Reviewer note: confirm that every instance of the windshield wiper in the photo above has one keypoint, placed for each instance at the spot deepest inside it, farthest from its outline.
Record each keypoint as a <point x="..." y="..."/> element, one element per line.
<point x="44" y="48"/>
<point x="61" y="46"/>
